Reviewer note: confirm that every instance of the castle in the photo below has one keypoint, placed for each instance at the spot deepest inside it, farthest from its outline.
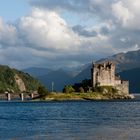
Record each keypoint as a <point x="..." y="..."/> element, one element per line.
<point x="104" y="75"/>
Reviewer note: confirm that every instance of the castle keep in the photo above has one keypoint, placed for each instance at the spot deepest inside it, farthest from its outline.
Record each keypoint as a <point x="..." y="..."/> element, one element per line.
<point x="104" y="75"/>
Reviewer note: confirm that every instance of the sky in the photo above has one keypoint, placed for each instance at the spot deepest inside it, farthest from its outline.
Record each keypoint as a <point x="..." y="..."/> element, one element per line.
<point x="66" y="33"/>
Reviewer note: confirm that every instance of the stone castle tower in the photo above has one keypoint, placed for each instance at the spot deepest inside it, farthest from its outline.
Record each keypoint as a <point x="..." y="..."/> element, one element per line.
<point x="104" y="75"/>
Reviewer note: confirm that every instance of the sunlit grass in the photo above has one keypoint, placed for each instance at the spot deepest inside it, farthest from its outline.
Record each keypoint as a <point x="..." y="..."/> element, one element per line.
<point x="80" y="96"/>
<point x="101" y="93"/>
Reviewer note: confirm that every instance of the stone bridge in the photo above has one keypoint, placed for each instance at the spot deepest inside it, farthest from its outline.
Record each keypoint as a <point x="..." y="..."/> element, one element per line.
<point x="18" y="96"/>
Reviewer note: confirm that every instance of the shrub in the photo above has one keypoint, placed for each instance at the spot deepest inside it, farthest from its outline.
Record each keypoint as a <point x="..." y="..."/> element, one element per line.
<point x="106" y="89"/>
<point x="42" y="91"/>
<point x="68" y="89"/>
<point x="81" y="90"/>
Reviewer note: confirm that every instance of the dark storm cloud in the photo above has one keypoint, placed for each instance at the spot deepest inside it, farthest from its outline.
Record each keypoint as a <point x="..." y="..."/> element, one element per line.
<point x="83" y="32"/>
<point x="125" y="39"/>
<point x="73" y="5"/>
<point x="104" y="30"/>
<point x="91" y="7"/>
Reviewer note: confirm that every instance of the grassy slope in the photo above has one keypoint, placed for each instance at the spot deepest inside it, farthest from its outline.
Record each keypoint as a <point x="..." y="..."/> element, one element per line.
<point x="31" y="83"/>
<point x="81" y="96"/>
<point x="8" y="83"/>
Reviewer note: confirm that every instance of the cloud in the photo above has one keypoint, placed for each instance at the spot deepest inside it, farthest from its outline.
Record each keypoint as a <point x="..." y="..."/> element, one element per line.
<point x="122" y="13"/>
<point x="104" y="30"/>
<point x="47" y="30"/>
<point x="126" y="13"/>
<point x="45" y="38"/>
<point x="8" y="34"/>
<point x="92" y="8"/>
<point x="84" y="32"/>
<point x="56" y="5"/>
<point x="121" y="20"/>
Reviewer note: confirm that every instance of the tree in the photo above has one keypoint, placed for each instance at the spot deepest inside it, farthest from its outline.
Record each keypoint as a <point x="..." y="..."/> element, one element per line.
<point x="42" y="91"/>
<point x="86" y="83"/>
<point x="81" y="90"/>
<point x="68" y="89"/>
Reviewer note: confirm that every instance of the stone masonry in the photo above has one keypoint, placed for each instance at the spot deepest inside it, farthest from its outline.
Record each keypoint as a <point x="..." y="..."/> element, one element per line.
<point x="104" y="75"/>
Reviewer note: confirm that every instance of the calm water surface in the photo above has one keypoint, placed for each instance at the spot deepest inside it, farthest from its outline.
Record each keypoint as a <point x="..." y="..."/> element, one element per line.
<point x="70" y="120"/>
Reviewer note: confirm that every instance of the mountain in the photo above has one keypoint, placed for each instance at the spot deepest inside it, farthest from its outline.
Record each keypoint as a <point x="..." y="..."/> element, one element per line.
<point x="133" y="75"/>
<point x="63" y="77"/>
<point x="60" y="78"/>
<point x="15" y="81"/>
<point x="127" y="65"/>
<point x="74" y="71"/>
<point x="125" y="61"/>
<point x="35" y="72"/>
<point x="84" y="74"/>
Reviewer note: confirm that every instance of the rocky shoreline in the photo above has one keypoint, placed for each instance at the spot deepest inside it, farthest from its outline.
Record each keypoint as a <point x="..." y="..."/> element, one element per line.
<point x="82" y="96"/>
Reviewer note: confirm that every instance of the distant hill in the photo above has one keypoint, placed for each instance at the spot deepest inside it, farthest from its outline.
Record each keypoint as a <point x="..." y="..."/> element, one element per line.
<point x="35" y="72"/>
<point x="60" y="78"/>
<point x="63" y="77"/>
<point x="76" y="70"/>
<point x="133" y="76"/>
<point x="123" y="61"/>
<point x="84" y="74"/>
<point x="15" y="81"/>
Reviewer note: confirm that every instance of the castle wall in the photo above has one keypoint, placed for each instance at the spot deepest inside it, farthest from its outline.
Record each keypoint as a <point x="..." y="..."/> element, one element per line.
<point x="105" y="78"/>
<point x="118" y="82"/>
<point x="123" y="87"/>
<point x="104" y="75"/>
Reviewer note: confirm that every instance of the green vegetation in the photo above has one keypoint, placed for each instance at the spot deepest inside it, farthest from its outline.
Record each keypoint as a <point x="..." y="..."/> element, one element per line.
<point x="83" y="91"/>
<point x="80" y="96"/>
<point x="84" y="86"/>
<point x="68" y="89"/>
<point x="42" y="91"/>
<point x="31" y="83"/>
<point x="106" y="89"/>
<point x="8" y="81"/>
<point x="110" y="92"/>
<point x="70" y="96"/>
<point x="99" y="93"/>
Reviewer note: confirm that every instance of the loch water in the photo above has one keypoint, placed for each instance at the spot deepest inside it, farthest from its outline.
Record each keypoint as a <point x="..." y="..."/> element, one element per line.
<point x="70" y="120"/>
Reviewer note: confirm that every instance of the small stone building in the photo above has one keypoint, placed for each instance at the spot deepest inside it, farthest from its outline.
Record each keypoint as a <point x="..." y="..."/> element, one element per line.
<point x="104" y="75"/>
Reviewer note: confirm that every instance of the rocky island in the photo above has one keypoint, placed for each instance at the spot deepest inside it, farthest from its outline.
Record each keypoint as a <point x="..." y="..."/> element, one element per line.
<point x="103" y="85"/>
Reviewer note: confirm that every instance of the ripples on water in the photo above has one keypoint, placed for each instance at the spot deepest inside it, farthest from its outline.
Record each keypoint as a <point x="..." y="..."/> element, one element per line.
<point x="70" y="120"/>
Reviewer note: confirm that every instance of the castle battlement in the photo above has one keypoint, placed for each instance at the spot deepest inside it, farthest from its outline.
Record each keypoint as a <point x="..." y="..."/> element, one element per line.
<point x="103" y="74"/>
<point x="107" y="66"/>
